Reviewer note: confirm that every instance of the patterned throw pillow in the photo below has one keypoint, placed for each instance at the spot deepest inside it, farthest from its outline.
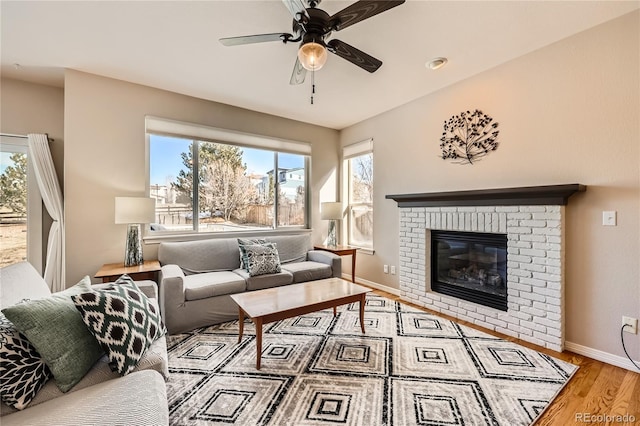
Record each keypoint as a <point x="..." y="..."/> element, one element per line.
<point x="55" y="328"/>
<point x="22" y="370"/>
<point x="242" y="242"/>
<point x="262" y="260"/>
<point x="123" y="320"/>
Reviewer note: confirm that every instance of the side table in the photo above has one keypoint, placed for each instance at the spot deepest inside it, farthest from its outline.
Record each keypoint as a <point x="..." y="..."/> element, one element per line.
<point x="343" y="251"/>
<point x="147" y="271"/>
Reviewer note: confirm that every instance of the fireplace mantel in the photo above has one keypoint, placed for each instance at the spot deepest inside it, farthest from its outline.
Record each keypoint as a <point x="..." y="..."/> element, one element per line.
<point x="529" y="195"/>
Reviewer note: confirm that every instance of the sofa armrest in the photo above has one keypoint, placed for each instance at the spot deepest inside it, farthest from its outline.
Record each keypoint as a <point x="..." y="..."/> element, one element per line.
<point x="171" y="286"/>
<point x="328" y="258"/>
<point x="170" y="271"/>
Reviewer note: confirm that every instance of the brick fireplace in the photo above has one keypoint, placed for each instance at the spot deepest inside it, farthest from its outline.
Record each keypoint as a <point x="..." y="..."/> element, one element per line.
<point x="532" y="219"/>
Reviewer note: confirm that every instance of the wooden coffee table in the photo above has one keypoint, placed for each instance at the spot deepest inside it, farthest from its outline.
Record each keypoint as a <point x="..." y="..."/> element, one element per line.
<point x="275" y="304"/>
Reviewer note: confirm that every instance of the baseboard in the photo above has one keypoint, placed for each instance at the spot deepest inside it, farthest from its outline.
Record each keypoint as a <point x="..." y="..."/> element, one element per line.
<point x="394" y="291"/>
<point x="618" y="361"/>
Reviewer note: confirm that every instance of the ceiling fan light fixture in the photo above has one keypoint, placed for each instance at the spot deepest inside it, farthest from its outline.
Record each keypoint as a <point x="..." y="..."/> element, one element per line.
<point x="437" y="63"/>
<point x="312" y="55"/>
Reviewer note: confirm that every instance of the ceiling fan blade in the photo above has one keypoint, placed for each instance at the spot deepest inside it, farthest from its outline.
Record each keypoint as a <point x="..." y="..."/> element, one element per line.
<point x="296" y="7"/>
<point x="298" y="74"/>
<point x="257" y="38"/>
<point x="353" y="55"/>
<point x="359" y="11"/>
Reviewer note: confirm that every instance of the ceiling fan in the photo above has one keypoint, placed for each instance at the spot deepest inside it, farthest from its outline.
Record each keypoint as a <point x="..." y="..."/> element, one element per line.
<point x="312" y="26"/>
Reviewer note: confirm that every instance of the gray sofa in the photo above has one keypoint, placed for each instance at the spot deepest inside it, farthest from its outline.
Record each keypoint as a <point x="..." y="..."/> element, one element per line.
<point x="102" y="396"/>
<point x="198" y="277"/>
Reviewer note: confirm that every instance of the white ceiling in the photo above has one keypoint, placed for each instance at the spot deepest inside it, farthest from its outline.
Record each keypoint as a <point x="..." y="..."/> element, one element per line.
<point x="174" y="45"/>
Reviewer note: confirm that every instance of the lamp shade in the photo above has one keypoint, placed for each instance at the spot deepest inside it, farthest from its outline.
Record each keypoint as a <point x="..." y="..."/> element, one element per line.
<point x="135" y="210"/>
<point x="312" y="55"/>
<point x="331" y="211"/>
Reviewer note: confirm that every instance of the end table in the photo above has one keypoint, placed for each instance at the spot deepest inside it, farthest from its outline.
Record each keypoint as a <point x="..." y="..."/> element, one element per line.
<point x="147" y="271"/>
<point x="343" y="251"/>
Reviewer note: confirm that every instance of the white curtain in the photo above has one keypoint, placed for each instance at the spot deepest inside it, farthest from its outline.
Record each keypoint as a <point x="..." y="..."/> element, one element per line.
<point x="40" y="155"/>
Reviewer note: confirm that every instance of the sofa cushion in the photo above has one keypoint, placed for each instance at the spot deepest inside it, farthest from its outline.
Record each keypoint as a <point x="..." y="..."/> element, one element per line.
<point x="55" y="328"/>
<point x="195" y="257"/>
<point x="21" y="281"/>
<point x="155" y="358"/>
<point x="123" y="320"/>
<point x="138" y="399"/>
<point x="211" y="284"/>
<point x="265" y="281"/>
<point x="308" y="271"/>
<point x="22" y="369"/>
<point x="292" y="248"/>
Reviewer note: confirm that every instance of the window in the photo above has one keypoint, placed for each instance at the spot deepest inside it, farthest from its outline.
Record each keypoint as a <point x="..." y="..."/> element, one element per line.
<point x="20" y="206"/>
<point x="359" y="171"/>
<point x="216" y="186"/>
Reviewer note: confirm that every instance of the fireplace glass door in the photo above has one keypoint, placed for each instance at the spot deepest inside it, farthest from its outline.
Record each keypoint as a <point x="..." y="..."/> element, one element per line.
<point x="471" y="266"/>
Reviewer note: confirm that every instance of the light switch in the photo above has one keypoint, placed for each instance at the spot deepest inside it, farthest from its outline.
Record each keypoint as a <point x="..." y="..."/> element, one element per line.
<point x="609" y="218"/>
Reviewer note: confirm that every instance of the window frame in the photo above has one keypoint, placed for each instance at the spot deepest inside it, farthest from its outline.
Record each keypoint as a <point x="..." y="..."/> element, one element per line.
<point x="349" y="153"/>
<point x="34" y="201"/>
<point x="200" y="133"/>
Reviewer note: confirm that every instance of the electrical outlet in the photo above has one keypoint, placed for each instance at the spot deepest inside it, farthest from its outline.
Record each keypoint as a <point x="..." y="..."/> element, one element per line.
<point x="385" y="268"/>
<point x="632" y="323"/>
<point x="393" y="270"/>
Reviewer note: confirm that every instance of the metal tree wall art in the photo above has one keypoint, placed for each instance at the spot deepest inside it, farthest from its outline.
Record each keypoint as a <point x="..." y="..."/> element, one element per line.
<point x="468" y="137"/>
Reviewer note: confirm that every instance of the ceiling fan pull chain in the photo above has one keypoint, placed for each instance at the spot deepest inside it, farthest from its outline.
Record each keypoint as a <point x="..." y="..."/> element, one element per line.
<point x="313" y="84"/>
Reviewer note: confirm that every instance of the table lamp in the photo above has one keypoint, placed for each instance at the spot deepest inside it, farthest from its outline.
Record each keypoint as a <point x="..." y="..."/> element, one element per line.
<point x="331" y="212"/>
<point x="134" y="211"/>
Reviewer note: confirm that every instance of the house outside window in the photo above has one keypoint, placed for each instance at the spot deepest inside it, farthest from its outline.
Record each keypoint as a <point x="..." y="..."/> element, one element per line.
<point x="20" y="206"/>
<point x="358" y="160"/>
<point x="217" y="186"/>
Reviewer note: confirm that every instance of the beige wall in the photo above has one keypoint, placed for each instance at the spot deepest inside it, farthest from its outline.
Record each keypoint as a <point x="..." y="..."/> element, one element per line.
<point x="568" y="113"/>
<point x="105" y="157"/>
<point x="34" y="108"/>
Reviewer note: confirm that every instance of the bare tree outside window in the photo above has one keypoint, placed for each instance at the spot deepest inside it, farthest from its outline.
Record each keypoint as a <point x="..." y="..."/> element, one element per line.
<point x="225" y="188"/>
<point x="235" y="187"/>
<point x="361" y="201"/>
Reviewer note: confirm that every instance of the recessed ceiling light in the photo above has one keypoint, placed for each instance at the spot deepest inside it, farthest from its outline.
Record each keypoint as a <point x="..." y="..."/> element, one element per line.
<point x="436" y="63"/>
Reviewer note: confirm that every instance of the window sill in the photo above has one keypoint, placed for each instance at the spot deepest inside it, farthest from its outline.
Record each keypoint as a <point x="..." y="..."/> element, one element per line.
<point x="158" y="238"/>
<point x="363" y="250"/>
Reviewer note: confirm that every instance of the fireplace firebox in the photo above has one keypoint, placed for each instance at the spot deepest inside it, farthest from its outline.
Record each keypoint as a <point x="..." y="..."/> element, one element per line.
<point x="471" y="266"/>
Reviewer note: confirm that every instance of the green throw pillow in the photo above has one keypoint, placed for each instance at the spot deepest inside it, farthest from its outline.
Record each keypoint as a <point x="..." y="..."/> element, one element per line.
<point x="123" y="320"/>
<point x="55" y="328"/>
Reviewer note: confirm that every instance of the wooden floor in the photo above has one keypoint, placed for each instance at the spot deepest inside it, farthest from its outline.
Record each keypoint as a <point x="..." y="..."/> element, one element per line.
<point x="597" y="389"/>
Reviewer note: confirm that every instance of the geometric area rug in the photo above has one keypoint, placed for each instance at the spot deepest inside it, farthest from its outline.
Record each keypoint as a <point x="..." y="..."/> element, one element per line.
<point x="410" y="368"/>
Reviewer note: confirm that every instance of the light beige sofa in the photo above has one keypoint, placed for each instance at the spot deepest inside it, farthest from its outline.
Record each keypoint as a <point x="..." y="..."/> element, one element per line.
<point x="102" y="397"/>
<point x="198" y="277"/>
